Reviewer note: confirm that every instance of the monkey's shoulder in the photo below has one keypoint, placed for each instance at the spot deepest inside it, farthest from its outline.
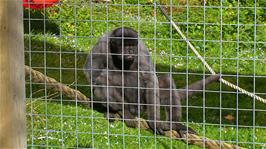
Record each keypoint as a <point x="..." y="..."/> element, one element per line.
<point x="102" y="45"/>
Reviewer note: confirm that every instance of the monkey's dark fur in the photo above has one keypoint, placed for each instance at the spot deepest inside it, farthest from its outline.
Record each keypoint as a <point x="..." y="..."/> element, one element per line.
<point x="124" y="80"/>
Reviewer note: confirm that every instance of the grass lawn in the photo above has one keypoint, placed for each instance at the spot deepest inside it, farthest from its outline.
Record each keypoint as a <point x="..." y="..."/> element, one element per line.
<point x="232" y="46"/>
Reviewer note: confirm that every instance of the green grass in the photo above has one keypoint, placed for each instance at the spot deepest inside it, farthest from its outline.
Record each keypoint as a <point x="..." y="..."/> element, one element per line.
<point x="71" y="126"/>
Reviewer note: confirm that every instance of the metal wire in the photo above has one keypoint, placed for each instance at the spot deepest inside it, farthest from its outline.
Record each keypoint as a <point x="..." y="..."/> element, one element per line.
<point x="159" y="36"/>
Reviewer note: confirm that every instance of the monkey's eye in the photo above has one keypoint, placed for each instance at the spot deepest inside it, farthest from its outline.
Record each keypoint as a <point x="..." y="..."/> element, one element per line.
<point x="129" y="45"/>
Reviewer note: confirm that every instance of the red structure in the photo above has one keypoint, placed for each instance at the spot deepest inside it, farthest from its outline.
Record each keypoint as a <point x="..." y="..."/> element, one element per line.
<point x="39" y="4"/>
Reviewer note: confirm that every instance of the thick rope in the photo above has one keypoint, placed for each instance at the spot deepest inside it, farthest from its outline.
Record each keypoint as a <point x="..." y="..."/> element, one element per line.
<point x="39" y="77"/>
<point x="206" y="64"/>
<point x="192" y="139"/>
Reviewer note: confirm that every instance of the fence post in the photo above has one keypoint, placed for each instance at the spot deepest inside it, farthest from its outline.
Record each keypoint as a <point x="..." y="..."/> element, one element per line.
<point x="12" y="83"/>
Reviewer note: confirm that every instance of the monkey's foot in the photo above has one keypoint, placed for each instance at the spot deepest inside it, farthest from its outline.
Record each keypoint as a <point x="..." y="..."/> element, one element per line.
<point x="142" y="123"/>
<point x="183" y="128"/>
<point x="172" y="134"/>
<point x="137" y="123"/>
<point x="180" y="128"/>
<point x="112" y="116"/>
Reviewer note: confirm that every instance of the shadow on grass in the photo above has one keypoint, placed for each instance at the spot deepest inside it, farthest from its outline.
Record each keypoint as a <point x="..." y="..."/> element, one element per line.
<point x="65" y="65"/>
<point x="36" y="21"/>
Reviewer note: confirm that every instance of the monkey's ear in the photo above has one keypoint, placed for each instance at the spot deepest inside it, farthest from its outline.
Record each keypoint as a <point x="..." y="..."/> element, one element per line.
<point x="111" y="41"/>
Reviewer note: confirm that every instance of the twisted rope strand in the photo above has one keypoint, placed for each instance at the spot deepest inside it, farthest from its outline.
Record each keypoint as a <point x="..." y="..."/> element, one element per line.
<point x="39" y="77"/>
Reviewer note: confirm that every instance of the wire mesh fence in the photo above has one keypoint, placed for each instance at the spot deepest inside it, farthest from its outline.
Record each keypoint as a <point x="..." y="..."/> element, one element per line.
<point x="229" y="35"/>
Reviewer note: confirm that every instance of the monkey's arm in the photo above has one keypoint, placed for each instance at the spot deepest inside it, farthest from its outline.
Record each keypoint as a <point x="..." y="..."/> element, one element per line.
<point x="197" y="86"/>
<point x="152" y="99"/>
<point x="151" y="85"/>
<point x="97" y="60"/>
<point x="169" y="98"/>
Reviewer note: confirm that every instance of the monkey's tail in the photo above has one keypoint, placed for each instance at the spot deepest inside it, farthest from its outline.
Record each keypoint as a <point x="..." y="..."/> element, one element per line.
<point x="197" y="87"/>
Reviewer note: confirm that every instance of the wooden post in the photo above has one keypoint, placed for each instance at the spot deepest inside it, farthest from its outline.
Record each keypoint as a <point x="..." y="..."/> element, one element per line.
<point x="12" y="83"/>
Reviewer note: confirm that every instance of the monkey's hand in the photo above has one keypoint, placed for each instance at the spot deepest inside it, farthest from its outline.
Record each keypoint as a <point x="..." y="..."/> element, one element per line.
<point x="157" y="127"/>
<point x="112" y="116"/>
<point x="181" y="129"/>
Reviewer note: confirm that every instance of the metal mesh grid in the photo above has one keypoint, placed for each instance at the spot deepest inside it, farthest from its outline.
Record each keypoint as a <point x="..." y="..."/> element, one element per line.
<point x="229" y="35"/>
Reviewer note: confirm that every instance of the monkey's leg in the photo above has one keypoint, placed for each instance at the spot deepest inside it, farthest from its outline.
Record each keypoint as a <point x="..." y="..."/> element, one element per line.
<point x="108" y="99"/>
<point x="114" y="96"/>
<point x="128" y="117"/>
<point x="195" y="87"/>
<point x="109" y="95"/>
<point x="152" y="99"/>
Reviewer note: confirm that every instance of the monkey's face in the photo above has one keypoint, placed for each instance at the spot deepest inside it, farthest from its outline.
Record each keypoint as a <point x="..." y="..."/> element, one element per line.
<point x="124" y="47"/>
<point x="124" y="50"/>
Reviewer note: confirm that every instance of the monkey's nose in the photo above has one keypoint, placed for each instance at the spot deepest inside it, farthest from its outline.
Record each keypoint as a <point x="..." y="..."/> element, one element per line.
<point x="129" y="57"/>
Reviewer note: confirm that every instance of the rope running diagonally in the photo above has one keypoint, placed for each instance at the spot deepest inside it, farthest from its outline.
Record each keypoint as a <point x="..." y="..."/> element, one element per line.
<point x="205" y="63"/>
